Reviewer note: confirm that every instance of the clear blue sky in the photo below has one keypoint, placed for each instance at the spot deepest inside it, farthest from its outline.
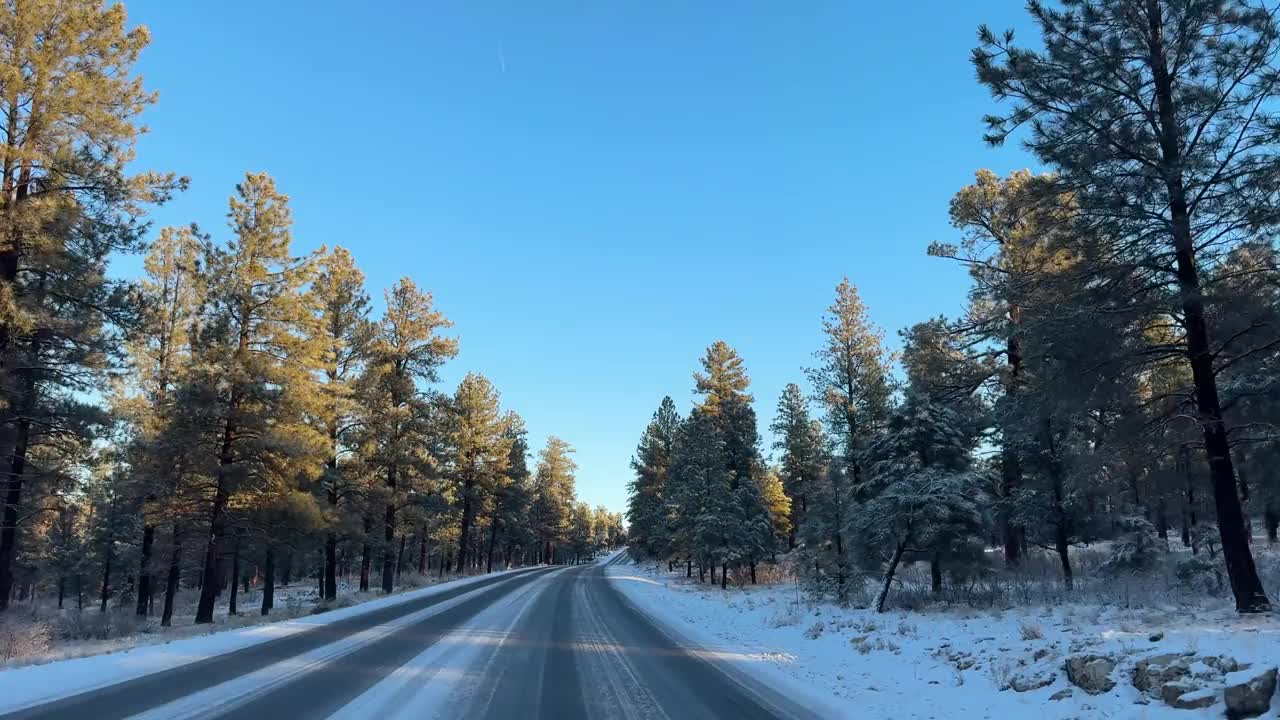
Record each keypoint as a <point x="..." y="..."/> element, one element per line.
<point x="594" y="190"/>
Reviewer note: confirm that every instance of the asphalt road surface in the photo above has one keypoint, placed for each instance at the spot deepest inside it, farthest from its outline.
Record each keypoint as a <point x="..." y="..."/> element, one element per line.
<point x="549" y="643"/>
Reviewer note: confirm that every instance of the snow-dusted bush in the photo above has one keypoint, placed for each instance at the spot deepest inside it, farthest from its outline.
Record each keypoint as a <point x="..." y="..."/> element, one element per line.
<point x="93" y="625"/>
<point x="1199" y="574"/>
<point x="786" y="617"/>
<point x="1137" y="550"/>
<point x="20" y="638"/>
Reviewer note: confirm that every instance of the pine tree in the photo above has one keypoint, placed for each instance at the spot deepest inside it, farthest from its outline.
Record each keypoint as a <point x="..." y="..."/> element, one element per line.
<point x="338" y="298"/>
<point x="804" y="456"/>
<point x="852" y="381"/>
<point x="741" y="520"/>
<point x="255" y="358"/>
<point x="921" y="495"/>
<point x="514" y="494"/>
<point x="697" y="492"/>
<point x="1158" y="118"/>
<point x="648" y="505"/>
<point x="553" y="496"/>
<point x="401" y="420"/>
<point x="1008" y="226"/>
<point x="481" y="452"/>
<point x="776" y="502"/>
<point x="172" y="292"/>
<point x="71" y="102"/>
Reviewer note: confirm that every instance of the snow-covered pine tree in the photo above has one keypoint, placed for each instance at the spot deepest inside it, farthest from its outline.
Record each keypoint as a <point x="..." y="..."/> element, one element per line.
<point x="922" y="495"/>
<point x="851" y="380"/>
<point x="804" y="454"/>
<point x="648" y="512"/>
<point x="747" y="531"/>
<point x="1168" y="170"/>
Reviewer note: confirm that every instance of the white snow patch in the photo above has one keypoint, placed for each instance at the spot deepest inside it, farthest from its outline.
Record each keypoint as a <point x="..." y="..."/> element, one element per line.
<point x="944" y="663"/>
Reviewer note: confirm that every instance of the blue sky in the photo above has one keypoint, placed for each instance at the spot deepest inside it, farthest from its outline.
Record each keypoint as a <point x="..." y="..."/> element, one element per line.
<point x="594" y="190"/>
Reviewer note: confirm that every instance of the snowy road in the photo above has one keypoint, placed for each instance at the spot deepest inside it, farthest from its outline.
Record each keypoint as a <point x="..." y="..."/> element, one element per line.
<point x="555" y="643"/>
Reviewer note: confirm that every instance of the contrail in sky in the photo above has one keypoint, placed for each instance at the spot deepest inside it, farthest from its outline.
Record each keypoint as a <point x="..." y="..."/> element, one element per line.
<point x="502" y="56"/>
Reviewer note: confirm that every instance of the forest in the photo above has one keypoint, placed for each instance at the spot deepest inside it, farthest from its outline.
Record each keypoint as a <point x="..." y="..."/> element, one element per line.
<point x="1108" y="392"/>
<point x="240" y="416"/>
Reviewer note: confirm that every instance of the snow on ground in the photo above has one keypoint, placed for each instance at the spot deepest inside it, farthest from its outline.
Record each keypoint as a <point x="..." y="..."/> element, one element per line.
<point x="945" y="663"/>
<point x="35" y="684"/>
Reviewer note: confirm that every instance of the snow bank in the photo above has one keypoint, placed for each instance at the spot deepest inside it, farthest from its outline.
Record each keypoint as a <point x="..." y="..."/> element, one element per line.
<point x="945" y="663"/>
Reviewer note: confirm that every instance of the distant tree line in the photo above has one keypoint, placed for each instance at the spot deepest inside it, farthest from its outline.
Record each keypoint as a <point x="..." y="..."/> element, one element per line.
<point x="1113" y="376"/>
<point x="239" y="416"/>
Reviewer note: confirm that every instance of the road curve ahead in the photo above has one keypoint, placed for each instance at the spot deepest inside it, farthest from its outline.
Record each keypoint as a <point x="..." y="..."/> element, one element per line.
<point x="550" y="643"/>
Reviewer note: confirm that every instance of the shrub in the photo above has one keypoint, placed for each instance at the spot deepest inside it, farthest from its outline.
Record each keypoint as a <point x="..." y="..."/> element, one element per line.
<point x="20" y="640"/>
<point x="1198" y="574"/>
<point x="1138" y="549"/>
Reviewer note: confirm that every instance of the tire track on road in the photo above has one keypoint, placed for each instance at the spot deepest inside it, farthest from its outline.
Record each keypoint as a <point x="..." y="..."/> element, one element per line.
<point x="146" y="692"/>
<point x="324" y="690"/>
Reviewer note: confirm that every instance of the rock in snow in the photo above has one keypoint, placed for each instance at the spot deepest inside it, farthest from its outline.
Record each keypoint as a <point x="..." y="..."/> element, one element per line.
<point x="1032" y="680"/>
<point x="1185" y="695"/>
<point x="1091" y="673"/>
<point x="1248" y="692"/>
<point x="1153" y="672"/>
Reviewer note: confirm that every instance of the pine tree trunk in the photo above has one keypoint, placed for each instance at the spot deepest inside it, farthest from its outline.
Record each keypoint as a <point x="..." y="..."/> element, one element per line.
<point x="235" y="576"/>
<point x="269" y="580"/>
<point x="9" y="515"/>
<point x="422" y="553"/>
<point x="753" y="572"/>
<point x="329" y="586"/>
<point x="366" y="555"/>
<point x="1271" y="516"/>
<point x="400" y="558"/>
<point x="62" y="589"/>
<point x="467" y="513"/>
<point x="11" y="365"/>
<point x="935" y="574"/>
<point x="1064" y="556"/>
<point x="106" y="574"/>
<point x="493" y="540"/>
<point x="175" y="574"/>
<point x="144" y="570"/>
<point x="329" y="581"/>
<point x="1010" y="463"/>
<point x="389" y="535"/>
<point x="217" y="526"/>
<point x="724" y="576"/>
<point x="1245" y="585"/>
<point x="888" y="575"/>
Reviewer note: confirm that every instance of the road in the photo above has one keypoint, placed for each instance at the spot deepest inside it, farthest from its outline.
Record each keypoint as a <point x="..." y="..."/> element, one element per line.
<point x="549" y="643"/>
